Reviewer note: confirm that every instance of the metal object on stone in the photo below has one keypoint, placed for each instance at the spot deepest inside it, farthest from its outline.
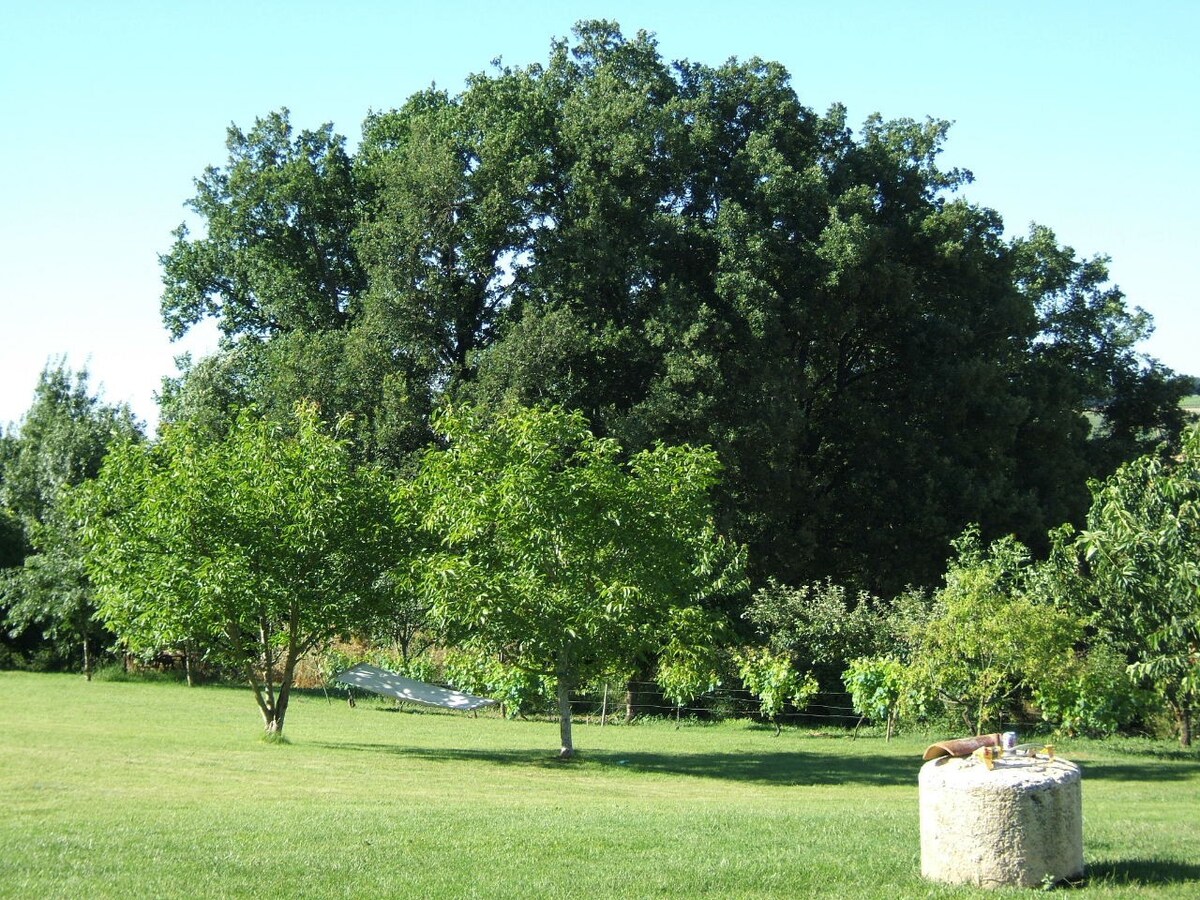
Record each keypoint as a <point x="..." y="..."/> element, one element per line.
<point x="988" y="755"/>
<point x="961" y="746"/>
<point x="1009" y="821"/>
<point x="1034" y="749"/>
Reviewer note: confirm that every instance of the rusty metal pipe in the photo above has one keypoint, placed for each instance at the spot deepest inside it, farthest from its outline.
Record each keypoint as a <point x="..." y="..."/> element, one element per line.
<point x="962" y="746"/>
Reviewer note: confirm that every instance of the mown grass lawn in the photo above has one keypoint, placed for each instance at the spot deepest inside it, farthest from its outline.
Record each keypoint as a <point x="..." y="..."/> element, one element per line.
<point x="157" y="790"/>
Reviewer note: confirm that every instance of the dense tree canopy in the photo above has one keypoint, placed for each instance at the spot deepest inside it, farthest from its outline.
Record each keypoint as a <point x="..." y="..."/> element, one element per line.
<point x="684" y="253"/>
<point x="60" y="442"/>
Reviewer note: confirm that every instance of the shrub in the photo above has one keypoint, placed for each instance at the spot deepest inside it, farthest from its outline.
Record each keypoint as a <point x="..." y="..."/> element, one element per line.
<point x="519" y="692"/>
<point x="990" y="640"/>
<point x="1099" y="699"/>
<point x="773" y="679"/>
<point x="876" y="685"/>
<point x="821" y="626"/>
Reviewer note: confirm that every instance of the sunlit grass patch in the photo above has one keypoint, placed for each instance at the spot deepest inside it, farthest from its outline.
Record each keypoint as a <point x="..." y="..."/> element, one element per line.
<point x="127" y="789"/>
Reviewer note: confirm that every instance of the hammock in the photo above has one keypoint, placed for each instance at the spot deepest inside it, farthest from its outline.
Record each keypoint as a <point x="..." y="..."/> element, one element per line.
<point x="381" y="681"/>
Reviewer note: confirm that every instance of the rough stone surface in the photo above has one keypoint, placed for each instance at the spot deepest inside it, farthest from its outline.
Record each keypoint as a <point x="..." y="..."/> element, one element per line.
<point x="1017" y="825"/>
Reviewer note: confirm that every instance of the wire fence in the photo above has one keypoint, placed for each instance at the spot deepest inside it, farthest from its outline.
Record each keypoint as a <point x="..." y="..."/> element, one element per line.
<point x="643" y="698"/>
<point x="830" y="708"/>
<point x="621" y="701"/>
<point x="826" y="708"/>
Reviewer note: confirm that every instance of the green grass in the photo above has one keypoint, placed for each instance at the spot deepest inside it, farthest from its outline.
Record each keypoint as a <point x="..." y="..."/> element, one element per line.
<point x="1191" y="404"/>
<point x="155" y="790"/>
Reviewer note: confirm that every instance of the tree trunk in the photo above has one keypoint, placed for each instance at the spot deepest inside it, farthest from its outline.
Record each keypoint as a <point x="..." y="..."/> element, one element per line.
<point x="273" y="723"/>
<point x="87" y="660"/>
<point x="265" y="697"/>
<point x="1185" y="725"/>
<point x="281" y="702"/>
<point x="567" y="750"/>
<point x="634" y="698"/>
<point x="274" y="708"/>
<point x="187" y="663"/>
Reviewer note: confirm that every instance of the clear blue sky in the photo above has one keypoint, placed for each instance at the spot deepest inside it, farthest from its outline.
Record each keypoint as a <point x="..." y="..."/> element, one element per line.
<point x="1078" y="115"/>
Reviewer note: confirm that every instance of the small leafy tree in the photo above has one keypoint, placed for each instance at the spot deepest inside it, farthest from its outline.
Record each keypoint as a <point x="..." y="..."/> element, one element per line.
<point x="566" y="559"/>
<point x="691" y="664"/>
<point x="876" y="686"/>
<point x="989" y="639"/>
<point x="402" y="621"/>
<point x="260" y="546"/>
<point x="774" y="680"/>
<point x="1138" y="571"/>
<point x="51" y="591"/>
<point x="518" y="691"/>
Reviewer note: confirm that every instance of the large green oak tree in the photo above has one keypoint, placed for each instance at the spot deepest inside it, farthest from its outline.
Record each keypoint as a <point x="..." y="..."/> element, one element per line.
<point x="687" y="254"/>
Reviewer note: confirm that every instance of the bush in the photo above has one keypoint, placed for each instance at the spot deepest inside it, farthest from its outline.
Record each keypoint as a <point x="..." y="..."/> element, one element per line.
<point x="773" y="679"/>
<point x="991" y="640"/>
<point x="332" y="662"/>
<point x="519" y="692"/>
<point x="820" y="625"/>
<point x="1098" y="700"/>
<point x="876" y="685"/>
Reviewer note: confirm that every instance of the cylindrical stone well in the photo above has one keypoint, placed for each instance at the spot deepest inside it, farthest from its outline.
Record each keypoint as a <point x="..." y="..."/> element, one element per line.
<point x="1019" y="823"/>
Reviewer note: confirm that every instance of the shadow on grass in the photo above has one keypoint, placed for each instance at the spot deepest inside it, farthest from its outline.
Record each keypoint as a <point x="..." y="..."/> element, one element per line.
<point x="1135" y="772"/>
<point x="1163" y="754"/>
<point x="1142" y="872"/>
<point x="779" y="768"/>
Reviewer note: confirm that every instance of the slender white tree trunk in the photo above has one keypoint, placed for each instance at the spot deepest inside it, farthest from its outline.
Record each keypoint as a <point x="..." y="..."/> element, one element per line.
<point x="187" y="662"/>
<point x="567" y="750"/>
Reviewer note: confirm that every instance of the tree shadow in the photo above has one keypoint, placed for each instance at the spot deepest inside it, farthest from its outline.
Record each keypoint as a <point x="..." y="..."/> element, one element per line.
<point x="774" y="768"/>
<point x="1174" y="754"/>
<point x="1142" y="872"/>
<point x="1134" y="772"/>
<point x="800" y="767"/>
